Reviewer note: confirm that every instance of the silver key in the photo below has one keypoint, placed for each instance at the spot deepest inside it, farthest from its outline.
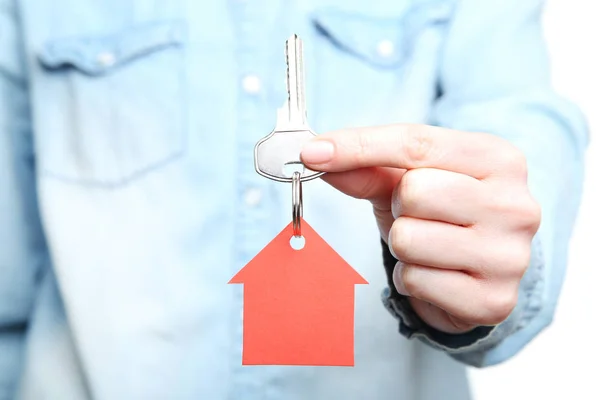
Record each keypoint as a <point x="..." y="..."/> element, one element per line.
<point x="282" y="146"/>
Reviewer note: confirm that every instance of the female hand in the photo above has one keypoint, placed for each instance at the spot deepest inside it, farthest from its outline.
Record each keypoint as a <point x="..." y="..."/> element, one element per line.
<point x="454" y="208"/>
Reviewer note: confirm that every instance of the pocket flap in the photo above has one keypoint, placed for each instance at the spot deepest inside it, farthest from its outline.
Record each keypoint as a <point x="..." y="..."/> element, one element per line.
<point x="96" y="55"/>
<point x="382" y="41"/>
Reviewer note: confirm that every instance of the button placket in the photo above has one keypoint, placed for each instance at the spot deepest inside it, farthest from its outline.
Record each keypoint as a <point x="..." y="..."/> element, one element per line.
<point x="254" y="211"/>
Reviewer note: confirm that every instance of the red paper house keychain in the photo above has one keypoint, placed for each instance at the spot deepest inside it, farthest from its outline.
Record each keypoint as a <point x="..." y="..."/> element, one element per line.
<point x="298" y="304"/>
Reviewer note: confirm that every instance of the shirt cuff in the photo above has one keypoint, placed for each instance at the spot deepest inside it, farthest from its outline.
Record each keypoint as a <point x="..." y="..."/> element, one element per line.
<point x="470" y="347"/>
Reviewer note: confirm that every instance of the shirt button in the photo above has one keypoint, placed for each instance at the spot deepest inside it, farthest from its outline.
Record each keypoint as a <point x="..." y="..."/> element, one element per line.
<point x="251" y="84"/>
<point x="252" y="197"/>
<point x="106" y="59"/>
<point x="385" y="48"/>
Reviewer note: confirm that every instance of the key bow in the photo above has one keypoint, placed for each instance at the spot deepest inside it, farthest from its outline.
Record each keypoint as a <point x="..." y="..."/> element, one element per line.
<point x="282" y="147"/>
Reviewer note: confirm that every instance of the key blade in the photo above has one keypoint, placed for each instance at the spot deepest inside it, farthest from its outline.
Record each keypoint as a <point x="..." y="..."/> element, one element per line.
<point x="295" y="80"/>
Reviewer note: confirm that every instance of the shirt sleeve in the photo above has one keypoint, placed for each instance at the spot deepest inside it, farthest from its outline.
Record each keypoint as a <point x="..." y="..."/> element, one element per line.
<point x="22" y="248"/>
<point x="494" y="77"/>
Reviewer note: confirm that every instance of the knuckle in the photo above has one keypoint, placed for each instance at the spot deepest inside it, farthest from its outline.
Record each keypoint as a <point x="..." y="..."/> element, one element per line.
<point x="498" y="306"/>
<point x="363" y="143"/>
<point x="418" y="144"/>
<point x="515" y="161"/>
<point x="531" y="215"/>
<point x="518" y="261"/>
<point x="400" y="239"/>
<point x="525" y="214"/>
<point x="522" y="210"/>
<point x="505" y="204"/>
<point x="507" y="259"/>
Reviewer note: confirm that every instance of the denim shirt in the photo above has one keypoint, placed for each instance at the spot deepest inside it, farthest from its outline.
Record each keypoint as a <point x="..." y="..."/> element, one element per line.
<point x="128" y="197"/>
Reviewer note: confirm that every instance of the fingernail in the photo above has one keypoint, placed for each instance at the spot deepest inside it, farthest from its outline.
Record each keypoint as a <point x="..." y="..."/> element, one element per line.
<point x="389" y="243"/>
<point x="317" y="152"/>
<point x="397" y="277"/>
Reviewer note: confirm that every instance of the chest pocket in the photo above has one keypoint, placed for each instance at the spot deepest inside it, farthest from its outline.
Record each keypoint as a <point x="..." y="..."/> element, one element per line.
<point x="382" y="42"/>
<point x="378" y="69"/>
<point x="117" y="107"/>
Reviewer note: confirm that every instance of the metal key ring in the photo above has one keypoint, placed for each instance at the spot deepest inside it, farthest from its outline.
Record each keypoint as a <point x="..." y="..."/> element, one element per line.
<point x="296" y="204"/>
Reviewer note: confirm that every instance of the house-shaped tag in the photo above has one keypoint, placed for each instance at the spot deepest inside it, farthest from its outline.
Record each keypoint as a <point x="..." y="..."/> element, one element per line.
<point x="298" y="304"/>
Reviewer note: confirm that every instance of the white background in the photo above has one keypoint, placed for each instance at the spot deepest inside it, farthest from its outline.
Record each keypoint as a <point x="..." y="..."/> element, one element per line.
<point x="564" y="361"/>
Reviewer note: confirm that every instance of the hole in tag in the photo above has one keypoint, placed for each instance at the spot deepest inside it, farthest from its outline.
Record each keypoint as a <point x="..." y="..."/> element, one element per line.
<point x="291" y="167"/>
<point x="297" y="242"/>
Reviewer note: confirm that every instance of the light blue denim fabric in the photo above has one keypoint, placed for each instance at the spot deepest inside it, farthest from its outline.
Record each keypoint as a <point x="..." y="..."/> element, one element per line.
<point x="128" y="196"/>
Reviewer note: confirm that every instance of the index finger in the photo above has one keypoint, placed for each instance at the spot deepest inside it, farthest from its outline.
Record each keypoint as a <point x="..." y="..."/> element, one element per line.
<point x="406" y="146"/>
